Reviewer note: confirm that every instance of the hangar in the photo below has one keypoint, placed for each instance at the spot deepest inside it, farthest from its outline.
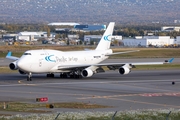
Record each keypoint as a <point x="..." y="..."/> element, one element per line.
<point x="148" y="40"/>
<point x="63" y="24"/>
<point x="90" y="27"/>
<point x="33" y="36"/>
<point x="170" y="28"/>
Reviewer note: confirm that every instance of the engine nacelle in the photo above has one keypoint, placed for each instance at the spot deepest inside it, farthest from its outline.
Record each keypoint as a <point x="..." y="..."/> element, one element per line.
<point x="13" y="66"/>
<point x="124" y="70"/>
<point x="21" y="72"/>
<point x="87" y="73"/>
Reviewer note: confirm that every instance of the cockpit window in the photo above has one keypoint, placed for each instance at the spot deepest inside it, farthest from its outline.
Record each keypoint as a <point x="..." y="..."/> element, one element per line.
<point x="27" y="53"/>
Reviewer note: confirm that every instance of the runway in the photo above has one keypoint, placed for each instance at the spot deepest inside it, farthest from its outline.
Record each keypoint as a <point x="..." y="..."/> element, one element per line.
<point x="151" y="89"/>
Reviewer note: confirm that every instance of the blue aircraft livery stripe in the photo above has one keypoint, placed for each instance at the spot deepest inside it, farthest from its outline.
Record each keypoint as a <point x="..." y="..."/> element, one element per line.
<point x="48" y="58"/>
<point x="106" y="38"/>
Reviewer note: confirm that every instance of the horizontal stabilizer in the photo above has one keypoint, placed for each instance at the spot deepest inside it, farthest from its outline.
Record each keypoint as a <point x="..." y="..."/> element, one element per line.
<point x="9" y="56"/>
<point x="169" y="61"/>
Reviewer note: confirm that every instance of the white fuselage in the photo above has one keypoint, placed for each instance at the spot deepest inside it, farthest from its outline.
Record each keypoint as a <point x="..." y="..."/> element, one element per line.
<point x="49" y="61"/>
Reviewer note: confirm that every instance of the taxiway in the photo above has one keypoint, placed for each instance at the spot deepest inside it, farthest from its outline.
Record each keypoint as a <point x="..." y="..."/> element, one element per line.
<point x="151" y="89"/>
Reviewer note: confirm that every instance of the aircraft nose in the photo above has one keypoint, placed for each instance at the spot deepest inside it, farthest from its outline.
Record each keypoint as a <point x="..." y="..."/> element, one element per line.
<point x="19" y="64"/>
<point x="22" y="64"/>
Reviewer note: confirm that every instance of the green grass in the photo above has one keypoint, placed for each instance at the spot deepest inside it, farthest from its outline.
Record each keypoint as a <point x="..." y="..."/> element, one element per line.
<point x="143" y="53"/>
<point x="158" y="67"/>
<point x="79" y="105"/>
<point x="32" y="108"/>
<point x="22" y="107"/>
<point x="149" y="53"/>
<point x="17" y="54"/>
<point x="7" y="70"/>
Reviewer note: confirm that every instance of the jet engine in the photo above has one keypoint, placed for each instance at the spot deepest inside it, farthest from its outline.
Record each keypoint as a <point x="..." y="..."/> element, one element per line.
<point x="124" y="70"/>
<point x="21" y="72"/>
<point x="13" y="66"/>
<point x="87" y="73"/>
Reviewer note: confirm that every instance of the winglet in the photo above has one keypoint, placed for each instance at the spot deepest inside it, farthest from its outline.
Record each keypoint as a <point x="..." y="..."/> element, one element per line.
<point x="9" y="54"/>
<point x="169" y="61"/>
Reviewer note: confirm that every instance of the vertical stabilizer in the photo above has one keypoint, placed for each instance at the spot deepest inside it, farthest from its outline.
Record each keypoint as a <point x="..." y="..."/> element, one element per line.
<point x="105" y="41"/>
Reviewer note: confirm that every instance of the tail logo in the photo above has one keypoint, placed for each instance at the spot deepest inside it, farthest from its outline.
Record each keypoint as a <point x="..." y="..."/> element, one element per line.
<point x="48" y="58"/>
<point x="106" y="38"/>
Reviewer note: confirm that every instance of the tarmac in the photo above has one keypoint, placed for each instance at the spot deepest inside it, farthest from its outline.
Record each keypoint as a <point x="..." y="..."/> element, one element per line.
<point x="139" y="90"/>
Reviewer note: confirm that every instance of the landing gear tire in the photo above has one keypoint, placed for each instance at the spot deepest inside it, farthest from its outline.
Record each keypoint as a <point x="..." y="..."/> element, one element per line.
<point x="75" y="76"/>
<point x="29" y="77"/>
<point x="50" y="75"/>
<point x="63" y="75"/>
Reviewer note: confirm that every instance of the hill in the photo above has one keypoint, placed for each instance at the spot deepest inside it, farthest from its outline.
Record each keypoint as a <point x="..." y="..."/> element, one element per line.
<point x="89" y="11"/>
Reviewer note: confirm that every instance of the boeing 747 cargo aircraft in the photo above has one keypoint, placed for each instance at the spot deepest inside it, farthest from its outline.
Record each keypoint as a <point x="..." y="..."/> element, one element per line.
<point x="73" y="64"/>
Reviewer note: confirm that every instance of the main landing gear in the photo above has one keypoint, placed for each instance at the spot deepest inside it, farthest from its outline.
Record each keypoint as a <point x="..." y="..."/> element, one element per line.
<point x="63" y="75"/>
<point x="75" y="74"/>
<point x="50" y="75"/>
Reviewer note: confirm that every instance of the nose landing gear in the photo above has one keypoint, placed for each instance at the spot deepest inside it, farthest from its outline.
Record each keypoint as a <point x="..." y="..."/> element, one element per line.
<point x="29" y="77"/>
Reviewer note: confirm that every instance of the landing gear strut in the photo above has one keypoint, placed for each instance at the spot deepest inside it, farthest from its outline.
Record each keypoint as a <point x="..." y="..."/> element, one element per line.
<point x="76" y="74"/>
<point x="29" y="77"/>
<point x="63" y="75"/>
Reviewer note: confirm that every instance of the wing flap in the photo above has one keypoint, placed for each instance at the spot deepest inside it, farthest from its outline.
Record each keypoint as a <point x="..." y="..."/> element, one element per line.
<point x="112" y="66"/>
<point x="122" y="52"/>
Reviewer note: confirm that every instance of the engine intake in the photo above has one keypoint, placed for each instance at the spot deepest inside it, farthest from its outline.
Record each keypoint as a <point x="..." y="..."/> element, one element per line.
<point x="124" y="70"/>
<point x="13" y="66"/>
<point x="87" y="73"/>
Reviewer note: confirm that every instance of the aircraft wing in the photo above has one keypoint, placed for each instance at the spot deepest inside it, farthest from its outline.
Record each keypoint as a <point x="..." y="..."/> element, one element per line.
<point x="121" y="52"/>
<point x="112" y="66"/>
<point x="9" y="56"/>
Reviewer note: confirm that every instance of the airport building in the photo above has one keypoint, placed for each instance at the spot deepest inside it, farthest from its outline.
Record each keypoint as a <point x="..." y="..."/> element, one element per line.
<point x="63" y="24"/>
<point x="94" y="39"/>
<point x="62" y="30"/>
<point x="148" y="41"/>
<point x="9" y="37"/>
<point x="170" y="28"/>
<point x="28" y="36"/>
<point x="177" y="40"/>
<point x="90" y="27"/>
<point x="34" y="36"/>
<point x="2" y="31"/>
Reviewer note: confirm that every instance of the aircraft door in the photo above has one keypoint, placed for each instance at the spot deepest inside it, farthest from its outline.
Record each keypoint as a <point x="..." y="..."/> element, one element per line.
<point x="40" y="62"/>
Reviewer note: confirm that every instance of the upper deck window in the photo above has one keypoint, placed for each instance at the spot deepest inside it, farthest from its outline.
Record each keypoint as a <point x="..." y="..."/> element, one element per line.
<point x="27" y="53"/>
